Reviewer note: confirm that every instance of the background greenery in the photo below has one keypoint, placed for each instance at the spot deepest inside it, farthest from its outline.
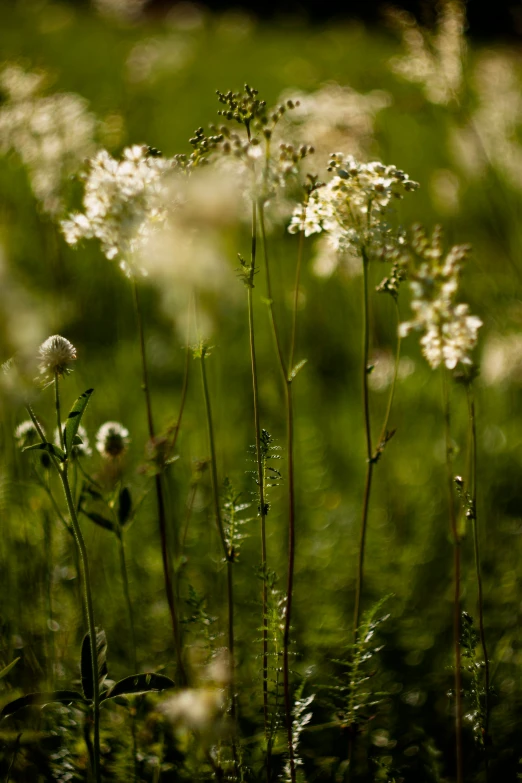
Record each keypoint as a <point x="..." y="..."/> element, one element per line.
<point x="81" y="295"/>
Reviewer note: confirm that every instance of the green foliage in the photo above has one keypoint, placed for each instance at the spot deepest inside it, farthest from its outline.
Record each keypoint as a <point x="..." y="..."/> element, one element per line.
<point x="233" y="520"/>
<point x="86" y="663"/>
<point x="474" y="687"/>
<point x="74" y="419"/>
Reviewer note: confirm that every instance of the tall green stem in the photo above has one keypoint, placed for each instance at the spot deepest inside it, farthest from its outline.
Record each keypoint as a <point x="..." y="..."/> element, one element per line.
<point x="369" y="451"/>
<point x="287" y="382"/>
<point x="58" y="412"/>
<point x="260" y="476"/>
<point x="456" y="577"/>
<point x="169" y="590"/>
<point x="478" y="568"/>
<point x="91" y="628"/>
<point x="126" y="591"/>
<point x="229" y="555"/>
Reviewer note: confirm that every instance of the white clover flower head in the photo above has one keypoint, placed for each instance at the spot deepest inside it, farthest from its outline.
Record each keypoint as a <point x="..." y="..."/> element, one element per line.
<point x="124" y="201"/>
<point x="112" y="440"/>
<point x="56" y="355"/>
<point x="82" y="449"/>
<point x="450" y="333"/>
<point x="26" y="434"/>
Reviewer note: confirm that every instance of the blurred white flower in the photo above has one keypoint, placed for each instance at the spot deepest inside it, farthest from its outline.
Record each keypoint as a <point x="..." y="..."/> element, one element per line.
<point x="196" y="709"/>
<point x="502" y="360"/>
<point x="383" y="371"/>
<point x="155" y="58"/>
<point x="55" y="357"/>
<point x="26" y="434"/>
<point x="125" y="10"/>
<point x="433" y="60"/>
<point x="124" y="200"/>
<point x="450" y="332"/>
<point x="112" y="440"/>
<point x="333" y="117"/>
<point x="51" y="134"/>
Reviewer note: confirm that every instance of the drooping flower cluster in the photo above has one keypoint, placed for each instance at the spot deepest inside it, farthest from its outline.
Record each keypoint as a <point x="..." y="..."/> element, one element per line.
<point x="123" y="201"/>
<point x="433" y="61"/>
<point x="51" y="134"/>
<point x="112" y="440"/>
<point x="351" y="206"/>
<point x="449" y="331"/>
<point x="56" y="355"/>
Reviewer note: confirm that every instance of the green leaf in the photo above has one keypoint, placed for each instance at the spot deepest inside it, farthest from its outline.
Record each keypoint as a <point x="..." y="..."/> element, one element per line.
<point x="99" y="520"/>
<point x="74" y="419"/>
<point x="8" y="668"/>
<point x="86" y="662"/>
<point x="125" y="506"/>
<point x="39" y="700"/>
<point x="50" y="448"/>
<point x="139" y="683"/>
<point x="297" y="368"/>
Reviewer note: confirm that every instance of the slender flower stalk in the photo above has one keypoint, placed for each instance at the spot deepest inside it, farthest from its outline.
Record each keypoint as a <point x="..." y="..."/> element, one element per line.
<point x="287" y="376"/>
<point x="126" y="592"/>
<point x="228" y="552"/>
<point x="169" y="589"/>
<point x="91" y="627"/>
<point x="456" y="576"/>
<point x="476" y="547"/>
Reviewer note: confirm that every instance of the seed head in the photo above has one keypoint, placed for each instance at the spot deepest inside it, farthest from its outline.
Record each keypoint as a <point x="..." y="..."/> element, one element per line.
<point x="112" y="440"/>
<point x="56" y="355"/>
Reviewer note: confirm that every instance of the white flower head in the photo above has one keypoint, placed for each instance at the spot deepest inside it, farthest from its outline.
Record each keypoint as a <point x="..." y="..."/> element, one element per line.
<point x="197" y="709"/>
<point x="26" y="434"/>
<point x="56" y="355"/>
<point x="112" y="440"/>
<point x="450" y="332"/>
<point x="124" y="200"/>
<point x="351" y="207"/>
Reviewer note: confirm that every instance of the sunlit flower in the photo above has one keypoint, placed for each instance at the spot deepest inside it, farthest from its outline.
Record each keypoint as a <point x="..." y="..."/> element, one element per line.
<point x="351" y="206"/>
<point x="26" y="434"/>
<point x="112" y="440"/>
<point x="449" y="330"/>
<point x="197" y="709"/>
<point x="52" y="134"/>
<point x="56" y="355"/>
<point x="124" y="200"/>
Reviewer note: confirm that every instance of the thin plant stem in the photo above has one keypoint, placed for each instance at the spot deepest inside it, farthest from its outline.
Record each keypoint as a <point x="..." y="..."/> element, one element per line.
<point x="63" y="473"/>
<point x="260" y="477"/>
<point x="169" y="590"/>
<point x="383" y="436"/>
<point x="58" y="412"/>
<point x="287" y="382"/>
<point x="229" y="555"/>
<point x="456" y="577"/>
<point x="296" y="299"/>
<point x="478" y="569"/>
<point x="369" y="451"/>
<point x="126" y="591"/>
<point x="48" y="544"/>
<point x="16" y="748"/>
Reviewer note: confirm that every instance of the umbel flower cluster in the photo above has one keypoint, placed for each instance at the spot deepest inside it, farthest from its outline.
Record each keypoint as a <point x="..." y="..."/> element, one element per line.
<point x="350" y="207"/>
<point x="123" y="201"/>
<point x="52" y="134"/>
<point x="450" y="332"/>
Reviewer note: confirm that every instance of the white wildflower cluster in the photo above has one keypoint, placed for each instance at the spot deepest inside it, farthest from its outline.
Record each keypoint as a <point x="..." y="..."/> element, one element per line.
<point x="56" y="355"/>
<point x="434" y="61"/>
<point x="449" y="331"/>
<point x="335" y="117"/>
<point x="123" y="200"/>
<point x="51" y="134"/>
<point x="112" y="440"/>
<point x="351" y="206"/>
